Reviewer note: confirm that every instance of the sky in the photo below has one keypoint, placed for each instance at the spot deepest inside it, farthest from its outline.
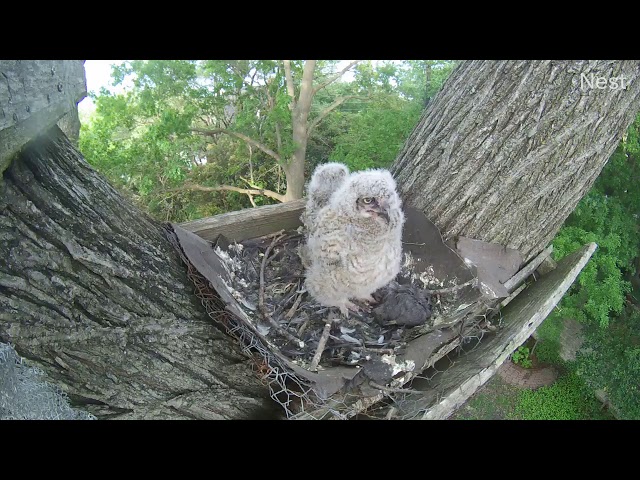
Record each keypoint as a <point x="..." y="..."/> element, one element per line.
<point x="98" y="74"/>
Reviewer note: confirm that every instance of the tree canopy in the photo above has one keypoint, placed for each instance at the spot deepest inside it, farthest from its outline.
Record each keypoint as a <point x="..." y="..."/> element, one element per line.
<point x="151" y="141"/>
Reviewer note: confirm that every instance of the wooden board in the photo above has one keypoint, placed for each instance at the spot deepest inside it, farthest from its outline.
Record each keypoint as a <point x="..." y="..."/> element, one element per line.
<point x="248" y="223"/>
<point x="521" y="317"/>
<point x="34" y="95"/>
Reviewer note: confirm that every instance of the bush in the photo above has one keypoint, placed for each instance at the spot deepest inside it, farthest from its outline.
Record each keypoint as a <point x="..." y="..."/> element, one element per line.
<point x="567" y="399"/>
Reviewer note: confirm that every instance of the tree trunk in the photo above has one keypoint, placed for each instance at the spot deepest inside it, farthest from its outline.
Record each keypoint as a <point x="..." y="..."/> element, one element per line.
<point x="92" y="291"/>
<point x="70" y="125"/>
<point x="294" y="173"/>
<point x="508" y="148"/>
<point x="294" y="170"/>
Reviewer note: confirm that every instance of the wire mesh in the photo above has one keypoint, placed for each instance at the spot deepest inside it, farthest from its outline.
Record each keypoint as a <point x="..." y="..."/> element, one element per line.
<point x="296" y="394"/>
<point x="25" y="395"/>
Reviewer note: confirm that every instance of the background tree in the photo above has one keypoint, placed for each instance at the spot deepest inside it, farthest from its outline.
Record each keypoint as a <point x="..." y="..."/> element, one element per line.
<point x="180" y="113"/>
<point x="143" y="139"/>
<point x="397" y="92"/>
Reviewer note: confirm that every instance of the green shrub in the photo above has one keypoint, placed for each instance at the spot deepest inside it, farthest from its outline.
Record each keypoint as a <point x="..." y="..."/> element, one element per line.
<point x="567" y="399"/>
<point x="521" y="357"/>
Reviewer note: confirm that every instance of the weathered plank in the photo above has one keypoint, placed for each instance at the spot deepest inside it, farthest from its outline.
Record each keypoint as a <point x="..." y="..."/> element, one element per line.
<point x="248" y="223"/>
<point x="34" y="95"/>
<point x="521" y="276"/>
<point x="521" y="317"/>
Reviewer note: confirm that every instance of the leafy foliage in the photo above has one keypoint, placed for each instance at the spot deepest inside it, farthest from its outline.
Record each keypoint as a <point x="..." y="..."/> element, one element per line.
<point x="602" y="299"/>
<point x="399" y="92"/>
<point x="607" y="215"/>
<point x="149" y="142"/>
<point x="611" y="361"/>
<point x="377" y="134"/>
<point x="521" y="357"/>
<point x="567" y="399"/>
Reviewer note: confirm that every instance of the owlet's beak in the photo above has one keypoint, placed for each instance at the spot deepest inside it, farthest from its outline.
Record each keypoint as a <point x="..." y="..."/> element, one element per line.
<point x="383" y="209"/>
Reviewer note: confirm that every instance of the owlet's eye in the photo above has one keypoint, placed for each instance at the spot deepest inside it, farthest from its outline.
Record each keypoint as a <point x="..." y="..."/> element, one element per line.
<point x="367" y="200"/>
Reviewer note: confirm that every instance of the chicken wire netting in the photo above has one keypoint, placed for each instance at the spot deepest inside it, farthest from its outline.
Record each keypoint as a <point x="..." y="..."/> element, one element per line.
<point x="297" y="394"/>
<point x="286" y="388"/>
<point x="25" y="395"/>
<point x="409" y="402"/>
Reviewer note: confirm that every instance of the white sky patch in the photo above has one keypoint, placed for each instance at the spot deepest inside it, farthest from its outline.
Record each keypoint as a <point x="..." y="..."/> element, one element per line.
<point x="98" y="74"/>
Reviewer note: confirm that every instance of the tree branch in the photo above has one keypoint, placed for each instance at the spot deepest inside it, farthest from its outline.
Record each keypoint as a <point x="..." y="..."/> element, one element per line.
<point x="289" y="79"/>
<point x="334" y="77"/>
<point x="278" y="138"/>
<point x="230" y="188"/>
<point x="305" y="97"/>
<point x="336" y="103"/>
<point x="241" y="136"/>
<point x="272" y="104"/>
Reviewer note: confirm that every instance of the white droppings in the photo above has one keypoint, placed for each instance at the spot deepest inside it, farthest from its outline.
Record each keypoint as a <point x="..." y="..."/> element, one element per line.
<point x="236" y="247"/>
<point x="397" y="367"/>
<point x="408" y="260"/>
<point x="263" y="329"/>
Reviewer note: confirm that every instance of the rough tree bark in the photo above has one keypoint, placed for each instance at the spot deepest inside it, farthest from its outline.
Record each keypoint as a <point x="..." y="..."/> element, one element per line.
<point x="70" y="125"/>
<point x="92" y="291"/>
<point x="34" y="94"/>
<point x="508" y="148"/>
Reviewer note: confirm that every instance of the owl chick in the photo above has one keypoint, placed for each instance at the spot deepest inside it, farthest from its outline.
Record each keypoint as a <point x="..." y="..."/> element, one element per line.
<point x="355" y="246"/>
<point x="325" y="180"/>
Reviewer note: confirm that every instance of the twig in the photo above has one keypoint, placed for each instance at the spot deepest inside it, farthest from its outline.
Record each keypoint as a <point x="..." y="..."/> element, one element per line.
<point x="303" y="327"/>
<point x="388" y="351"/>
<point x="360" y="348"/>
<point x="271" y="235"/>
<point x="277" y="236"/>
<point x="390" y="389"/>
<point x="321" y="344"/>
<point x="450" y="289"/>
<point x="284" y="303"/>
<point x="391" y="413"/>
<point x="289" y="315"/>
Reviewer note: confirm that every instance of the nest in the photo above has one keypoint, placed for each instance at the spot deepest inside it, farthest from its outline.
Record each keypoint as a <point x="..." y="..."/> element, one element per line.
<point x="267" y="280"/>
<point x="312" y="358"/>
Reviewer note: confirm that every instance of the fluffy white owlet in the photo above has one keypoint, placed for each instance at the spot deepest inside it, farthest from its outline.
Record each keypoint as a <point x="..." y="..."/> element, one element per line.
<point x="355" y="246"/>
<point x="325" y="180"/>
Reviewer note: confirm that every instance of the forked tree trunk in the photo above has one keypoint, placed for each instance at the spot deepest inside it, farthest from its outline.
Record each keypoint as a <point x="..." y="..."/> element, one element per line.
<point x="92" y="290"/>
<point x="508" y="148"/>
